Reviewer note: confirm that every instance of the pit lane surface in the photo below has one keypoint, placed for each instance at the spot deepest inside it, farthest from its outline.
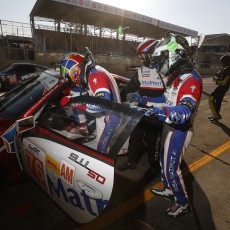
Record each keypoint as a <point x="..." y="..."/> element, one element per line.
<point x="24" y="206"/>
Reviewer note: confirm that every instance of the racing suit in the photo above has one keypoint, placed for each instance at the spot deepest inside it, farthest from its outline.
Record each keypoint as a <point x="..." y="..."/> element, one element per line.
<point x="216" y="97"/>
<point x="151" y="86"/>
<point x="182" y="101"/>
<point x="102" y="84"/>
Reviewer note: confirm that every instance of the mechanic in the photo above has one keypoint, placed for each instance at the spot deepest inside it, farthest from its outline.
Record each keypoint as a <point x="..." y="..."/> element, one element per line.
<point x="183" y="93"/>
<point x="146" y="135"/>
<point x="99" y="83"/>
<point x="222" y="79"/>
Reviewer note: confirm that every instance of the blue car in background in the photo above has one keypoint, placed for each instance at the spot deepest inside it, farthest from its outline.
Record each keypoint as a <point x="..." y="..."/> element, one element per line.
<point x="13" y="74"/>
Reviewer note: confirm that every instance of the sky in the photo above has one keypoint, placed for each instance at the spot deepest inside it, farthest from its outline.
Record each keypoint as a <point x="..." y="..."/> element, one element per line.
<point x="204" y="16"/>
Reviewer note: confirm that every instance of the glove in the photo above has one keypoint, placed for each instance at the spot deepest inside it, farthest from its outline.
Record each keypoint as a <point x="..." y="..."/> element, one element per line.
<point x="134" y="97"/>
<point x="146" y="111"/>
<point x="64" y="101"/>
<point x="161" y="113"/>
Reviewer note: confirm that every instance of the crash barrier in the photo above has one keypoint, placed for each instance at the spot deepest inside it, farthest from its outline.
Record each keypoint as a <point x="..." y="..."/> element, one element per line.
<point x="125" y="66"/>
<point x="113" y="63"/>
<point x="19" y="54"/>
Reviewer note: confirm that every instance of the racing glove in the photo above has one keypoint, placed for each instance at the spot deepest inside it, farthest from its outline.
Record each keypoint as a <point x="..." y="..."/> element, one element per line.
<point x="134" y="97"/>
<point x="160" y="113"/>
<point x="64" y="101"/>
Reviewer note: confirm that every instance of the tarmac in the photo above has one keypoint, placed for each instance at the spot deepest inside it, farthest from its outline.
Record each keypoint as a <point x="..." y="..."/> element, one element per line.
<point x="206" y="170"/>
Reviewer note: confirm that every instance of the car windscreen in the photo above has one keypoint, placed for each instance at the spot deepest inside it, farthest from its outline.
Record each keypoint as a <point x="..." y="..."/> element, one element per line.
<point x="99" y="124"/>
<point x="16" y="102"/>
<point x="7" y="68"/>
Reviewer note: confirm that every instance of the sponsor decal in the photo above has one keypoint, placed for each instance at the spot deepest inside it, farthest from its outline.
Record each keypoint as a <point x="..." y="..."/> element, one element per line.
<point x="52" y="164"/>
<point x="81" y="161"/>
<point x="172" y="173"/>
<point x="145" y="75"/>
<point x="79" y="200"/>
<point x="35" y="168"/>
<point x="96" y="176"/>
<point x="101" y="94"/>
<point x="34" y="149"/>
<point x="67" y="172"/>
<point x="146" y="82"/>
<point x="8" y="139"/>
<point x="177" y="116"/>
<point x="172" y="46"/>
<point x="25" y="77"/>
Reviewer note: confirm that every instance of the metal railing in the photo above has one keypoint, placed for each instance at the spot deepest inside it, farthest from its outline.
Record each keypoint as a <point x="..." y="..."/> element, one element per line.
<point x="10" y="28"/>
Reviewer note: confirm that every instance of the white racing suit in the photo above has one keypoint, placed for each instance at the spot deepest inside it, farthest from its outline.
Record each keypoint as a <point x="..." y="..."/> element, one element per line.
<point x="182" y="99"/>
<point x="151" y="87"/>
<point x="102" y="84"/>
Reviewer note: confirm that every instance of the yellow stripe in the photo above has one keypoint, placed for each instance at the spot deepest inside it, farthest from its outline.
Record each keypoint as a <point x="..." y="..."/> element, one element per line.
<point x="133" y="203"/>
<point x="204" y="160"/>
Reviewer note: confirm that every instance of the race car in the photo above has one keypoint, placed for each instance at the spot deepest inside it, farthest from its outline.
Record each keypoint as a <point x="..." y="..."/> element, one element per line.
<point x="13" y="74"/>
<point x="56" y="151"/>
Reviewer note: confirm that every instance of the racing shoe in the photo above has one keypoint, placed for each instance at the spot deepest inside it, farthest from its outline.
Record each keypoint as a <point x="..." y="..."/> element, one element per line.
<point x="126" y="165"/>
<point x="215" y="119"/>
<point x="163" y="192"/>
<point x="177" y="210"/>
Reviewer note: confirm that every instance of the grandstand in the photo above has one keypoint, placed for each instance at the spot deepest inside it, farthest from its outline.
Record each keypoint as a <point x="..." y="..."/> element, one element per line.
<point x="60" y="26"/>
<point x="105" y="29"/>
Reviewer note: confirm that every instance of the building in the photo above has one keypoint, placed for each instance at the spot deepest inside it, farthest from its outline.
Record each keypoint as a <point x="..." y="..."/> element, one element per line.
<point x="112" y="34"/>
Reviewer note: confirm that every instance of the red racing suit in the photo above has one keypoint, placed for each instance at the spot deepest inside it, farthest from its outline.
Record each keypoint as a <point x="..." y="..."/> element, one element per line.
<point x="102" y="84"/>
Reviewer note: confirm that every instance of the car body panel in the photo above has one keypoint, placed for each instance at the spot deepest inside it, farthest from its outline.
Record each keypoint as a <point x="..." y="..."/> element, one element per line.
<point x="62" y="173"/>
<point x="71" y="169"/>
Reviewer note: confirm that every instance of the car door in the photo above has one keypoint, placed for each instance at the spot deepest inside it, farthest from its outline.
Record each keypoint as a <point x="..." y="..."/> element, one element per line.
<point x="67" y="162"/>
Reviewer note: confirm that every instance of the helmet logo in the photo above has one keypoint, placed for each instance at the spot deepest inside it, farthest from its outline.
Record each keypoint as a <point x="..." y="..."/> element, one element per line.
<point x="172" y="46"/>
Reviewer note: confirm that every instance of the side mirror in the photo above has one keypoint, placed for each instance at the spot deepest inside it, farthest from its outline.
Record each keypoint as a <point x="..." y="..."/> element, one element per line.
<point x="25" y="124"/>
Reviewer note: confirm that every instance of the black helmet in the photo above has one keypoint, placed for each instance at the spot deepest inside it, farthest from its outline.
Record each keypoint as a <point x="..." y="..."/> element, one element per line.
<point x="145" y="49"/>
<point x="171" y="52"/>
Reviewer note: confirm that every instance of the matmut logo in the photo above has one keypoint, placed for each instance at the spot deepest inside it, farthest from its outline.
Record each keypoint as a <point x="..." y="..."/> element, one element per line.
<point x="67" y="172"/>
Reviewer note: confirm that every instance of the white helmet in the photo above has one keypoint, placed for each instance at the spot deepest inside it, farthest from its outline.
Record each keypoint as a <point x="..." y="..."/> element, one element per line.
<point x="170" y="53"/>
